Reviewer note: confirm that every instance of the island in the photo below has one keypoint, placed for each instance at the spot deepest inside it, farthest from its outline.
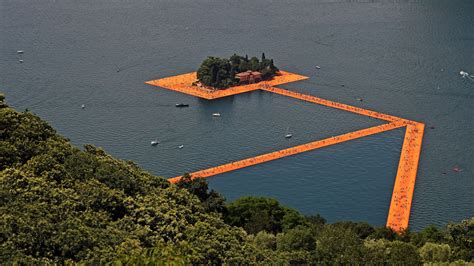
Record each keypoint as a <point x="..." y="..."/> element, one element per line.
<point x="218" y="77"/>
<point x="222" y="73"/>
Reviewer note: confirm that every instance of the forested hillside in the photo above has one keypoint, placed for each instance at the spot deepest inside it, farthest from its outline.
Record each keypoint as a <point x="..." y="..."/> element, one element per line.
<point x="62" y="204"/>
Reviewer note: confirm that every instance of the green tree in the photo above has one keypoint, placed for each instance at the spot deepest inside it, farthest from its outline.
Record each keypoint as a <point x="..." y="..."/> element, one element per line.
<point x="211" y="200"/>
<point x="403" y="254"/>
<point x="362" y="229"/>
<point x="376" y="251"/>
<point x="461" y="239"/>
<point x="265" y="240"/>
<point x="254" y="64"/>
<point x="256" y="214"/>
<point x="428" y="234"/>
<point x="383" y="233"/>
<point x="339" y="246"/>
<point x="298" y="238"/>
<point x="431" y="252"/>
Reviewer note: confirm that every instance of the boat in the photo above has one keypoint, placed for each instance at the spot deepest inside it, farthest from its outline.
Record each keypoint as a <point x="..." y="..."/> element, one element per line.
<point x="21" y="61"/>
<point x="180" y="146"/>
<point x="216" y="114"/>
<point x="83" y="106"/>
<point x="288" y="135"/>
<point x="155" y="142"/>
<point x="182" y="105"/>
<point x="318" y="67"/>
<point x="19" y="51"/>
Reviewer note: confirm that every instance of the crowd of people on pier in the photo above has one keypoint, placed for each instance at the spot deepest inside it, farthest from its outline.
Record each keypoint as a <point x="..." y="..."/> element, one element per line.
<point x="402" y="195"/>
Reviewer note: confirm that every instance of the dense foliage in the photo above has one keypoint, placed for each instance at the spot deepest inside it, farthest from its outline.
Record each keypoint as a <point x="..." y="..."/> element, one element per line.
<point x="220" y="72"/>
<point x="59" y="204"/>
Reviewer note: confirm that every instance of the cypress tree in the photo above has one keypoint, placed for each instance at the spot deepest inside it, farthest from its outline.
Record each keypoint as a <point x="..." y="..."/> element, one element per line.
<point x="263" y="57"/>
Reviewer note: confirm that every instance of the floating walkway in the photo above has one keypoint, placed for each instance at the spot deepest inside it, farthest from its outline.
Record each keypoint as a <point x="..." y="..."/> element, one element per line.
<point x="402" y="196"/>
<point x="328" y="103"/>
<point x="400" y="206"/>
<point x="183" y="83"/>
<point x="291" y="151"/>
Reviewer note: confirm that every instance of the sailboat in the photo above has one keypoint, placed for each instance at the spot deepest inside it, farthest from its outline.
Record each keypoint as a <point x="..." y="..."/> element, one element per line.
<point x="288" y="135"/>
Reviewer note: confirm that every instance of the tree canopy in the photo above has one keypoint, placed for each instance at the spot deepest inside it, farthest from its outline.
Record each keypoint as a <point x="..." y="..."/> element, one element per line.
<point x="220" y="72"/>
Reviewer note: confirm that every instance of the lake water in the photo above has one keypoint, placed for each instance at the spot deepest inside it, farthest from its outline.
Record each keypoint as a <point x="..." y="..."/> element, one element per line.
<point x="401" y="57"/>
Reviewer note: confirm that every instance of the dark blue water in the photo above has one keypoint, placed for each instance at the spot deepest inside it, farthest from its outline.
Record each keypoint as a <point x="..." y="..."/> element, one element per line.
<point x="401" y="57"/>
<point x="329" y="180"/>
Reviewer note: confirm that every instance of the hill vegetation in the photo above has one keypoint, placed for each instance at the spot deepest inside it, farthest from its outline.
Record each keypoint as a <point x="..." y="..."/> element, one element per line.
<point x="61" y="204"/>
<point x="220" y="72"/>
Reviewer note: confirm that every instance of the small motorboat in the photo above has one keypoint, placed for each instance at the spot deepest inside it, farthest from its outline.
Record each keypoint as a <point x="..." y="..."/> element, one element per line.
<point x="182" y="105"/>
<point x="360" y="99"/>
<point x="83" y="106"/>
<point x="19" y="51"/>
<point x="318" y="67"/>
<point x="216" y="114"/>
<point x="457" y="169"/>
<point x="180" y="147"/>
<point x="155" y="142"/>
<point x="21" y="61"/>
<point x="288" y="135"/>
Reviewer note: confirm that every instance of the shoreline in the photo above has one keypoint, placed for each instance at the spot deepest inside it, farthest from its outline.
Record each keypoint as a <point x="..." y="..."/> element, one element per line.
<point x="402" y="196"/>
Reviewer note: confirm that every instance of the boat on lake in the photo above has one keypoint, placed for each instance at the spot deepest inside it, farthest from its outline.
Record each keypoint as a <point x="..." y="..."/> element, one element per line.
<point x="216" y="114"/>
<point x="154" y="142"/>
<point x="288" y="135"/>
<point x="180" y="147"/>
<point x="182" y="105"/>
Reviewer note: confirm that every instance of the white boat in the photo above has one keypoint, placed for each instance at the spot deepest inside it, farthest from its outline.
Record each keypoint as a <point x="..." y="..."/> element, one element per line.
<point x="21" y="61"/>
<point x="318" y="67"/>
<point x="83" y="106"/>
<point x="216" y="114"/>
<point x="155" y="142"/>
<point x="20" y="51"/>
<point x="288" y="135"/>
<point x="180" y="146"/>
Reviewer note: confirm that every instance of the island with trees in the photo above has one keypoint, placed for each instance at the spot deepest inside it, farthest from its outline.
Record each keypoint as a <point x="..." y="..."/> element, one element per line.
<point x="221" y="73"/>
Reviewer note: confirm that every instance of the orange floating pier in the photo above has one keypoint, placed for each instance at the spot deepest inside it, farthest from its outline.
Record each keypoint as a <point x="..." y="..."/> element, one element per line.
<point x="291" y="151"/>
<point x="332" y="104"/>
<point x="400" y="206"/>
<point x="402" y="196"/>
<point x="183" y="83"/>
